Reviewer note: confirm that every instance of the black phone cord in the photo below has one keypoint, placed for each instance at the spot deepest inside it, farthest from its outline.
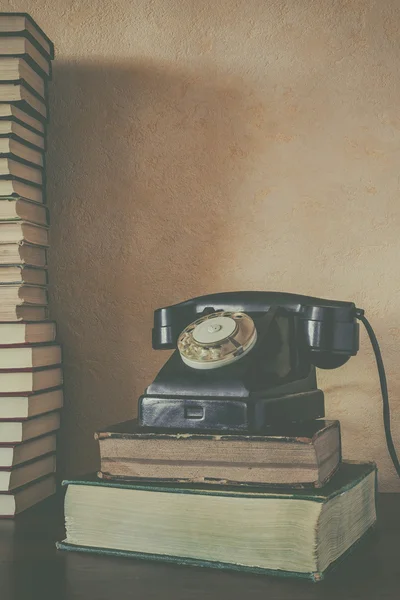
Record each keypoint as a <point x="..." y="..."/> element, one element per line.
<point x="384" y="389"/>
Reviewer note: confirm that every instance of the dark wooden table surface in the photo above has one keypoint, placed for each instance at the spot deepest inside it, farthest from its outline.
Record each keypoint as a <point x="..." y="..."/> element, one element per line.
<point x="31" y="568"/>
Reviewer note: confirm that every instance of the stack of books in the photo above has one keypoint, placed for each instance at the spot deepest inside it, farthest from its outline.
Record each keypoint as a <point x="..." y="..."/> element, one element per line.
<point x="30" y="371"/>
<point x="279" y="503"/>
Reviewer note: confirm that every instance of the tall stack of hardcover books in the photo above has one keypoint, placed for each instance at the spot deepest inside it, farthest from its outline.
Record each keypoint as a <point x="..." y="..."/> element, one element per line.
<point x="30" y="371"/>
<point x="279" y="503"/>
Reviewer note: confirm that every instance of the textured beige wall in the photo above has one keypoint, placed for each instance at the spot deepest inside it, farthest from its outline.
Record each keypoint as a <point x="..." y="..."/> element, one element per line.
<point x="199" y="146"/>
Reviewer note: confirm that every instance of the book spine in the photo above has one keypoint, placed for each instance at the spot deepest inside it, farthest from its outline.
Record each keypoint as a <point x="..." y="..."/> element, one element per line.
<point x="186" y="561"/>
<point x="27" y="462"/>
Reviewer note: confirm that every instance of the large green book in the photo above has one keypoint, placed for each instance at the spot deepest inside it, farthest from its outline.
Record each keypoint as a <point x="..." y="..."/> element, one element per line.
<point x="299" y="533"/>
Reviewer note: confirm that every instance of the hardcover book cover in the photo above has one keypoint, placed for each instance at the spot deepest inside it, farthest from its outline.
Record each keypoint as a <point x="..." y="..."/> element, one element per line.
<point x="291" y="533"/>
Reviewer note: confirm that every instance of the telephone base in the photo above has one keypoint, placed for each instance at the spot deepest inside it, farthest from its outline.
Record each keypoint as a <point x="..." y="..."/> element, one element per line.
<point x="233" y="414"/>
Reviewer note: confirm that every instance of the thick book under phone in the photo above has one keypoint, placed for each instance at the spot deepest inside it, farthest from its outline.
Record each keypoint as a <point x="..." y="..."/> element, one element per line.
<point x="302" y="454"/>
<point x="287" y="532"/>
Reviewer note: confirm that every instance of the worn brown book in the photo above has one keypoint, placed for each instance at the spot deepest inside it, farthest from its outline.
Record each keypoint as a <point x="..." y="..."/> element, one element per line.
<point x="304" y="454"/>
<point x="22" y="253"/>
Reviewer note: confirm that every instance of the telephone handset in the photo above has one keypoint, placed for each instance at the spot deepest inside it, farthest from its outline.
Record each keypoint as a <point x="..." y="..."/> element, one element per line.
<point x="330" y="327"/>
<point x="245" y="361"/>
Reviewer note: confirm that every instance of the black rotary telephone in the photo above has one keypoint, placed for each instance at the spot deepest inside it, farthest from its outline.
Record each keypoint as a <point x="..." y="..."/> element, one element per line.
<point x="245" y="361"/>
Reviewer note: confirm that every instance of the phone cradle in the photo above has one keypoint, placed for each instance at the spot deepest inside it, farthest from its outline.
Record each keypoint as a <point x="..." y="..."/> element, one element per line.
<point x="275" y="381"/>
